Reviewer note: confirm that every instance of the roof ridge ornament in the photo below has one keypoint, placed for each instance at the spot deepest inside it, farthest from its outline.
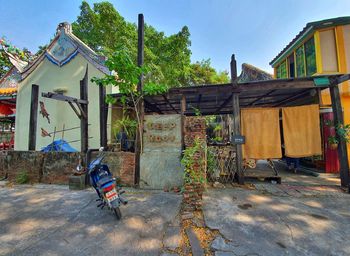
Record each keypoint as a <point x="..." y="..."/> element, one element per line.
<point x="65" y="26"/>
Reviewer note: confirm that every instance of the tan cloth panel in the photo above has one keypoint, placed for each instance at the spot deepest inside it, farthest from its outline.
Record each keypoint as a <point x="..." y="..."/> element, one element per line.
<point x="301" y="131"/>
<point x="261" y="129"/>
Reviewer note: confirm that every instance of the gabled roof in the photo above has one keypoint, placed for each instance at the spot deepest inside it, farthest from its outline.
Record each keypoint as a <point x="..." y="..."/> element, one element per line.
<point x="9" y="82"/>
<point x="308" y="30"/>
<point x="63" y="48"/>
<point x="251" y="73"/>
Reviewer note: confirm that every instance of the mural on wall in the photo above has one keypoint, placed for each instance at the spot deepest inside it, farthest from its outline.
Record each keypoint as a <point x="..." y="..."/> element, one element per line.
<point x="160" y="127"/>
<point x="62" y="51"/>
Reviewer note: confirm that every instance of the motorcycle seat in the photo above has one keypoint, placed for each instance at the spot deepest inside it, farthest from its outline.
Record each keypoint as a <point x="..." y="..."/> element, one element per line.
<point x="103" y="181"/>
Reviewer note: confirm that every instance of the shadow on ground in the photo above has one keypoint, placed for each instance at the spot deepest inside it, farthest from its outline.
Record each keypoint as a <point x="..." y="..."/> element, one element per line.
<point x="52" y="220"/>
<point x="268" y="220"/>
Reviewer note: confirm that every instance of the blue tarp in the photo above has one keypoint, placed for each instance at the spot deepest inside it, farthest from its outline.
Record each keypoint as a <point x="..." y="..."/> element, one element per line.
<point x="59" y="145"/>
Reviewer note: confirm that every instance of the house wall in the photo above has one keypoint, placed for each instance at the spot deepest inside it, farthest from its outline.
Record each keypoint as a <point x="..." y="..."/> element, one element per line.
<point x="328" y="51"/>
<point x="343" y="50"/>
<point x="50" y="77"/>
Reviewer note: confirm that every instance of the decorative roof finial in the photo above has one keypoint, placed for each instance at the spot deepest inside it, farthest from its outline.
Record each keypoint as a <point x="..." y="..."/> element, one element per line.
<point x="64" y="26"/>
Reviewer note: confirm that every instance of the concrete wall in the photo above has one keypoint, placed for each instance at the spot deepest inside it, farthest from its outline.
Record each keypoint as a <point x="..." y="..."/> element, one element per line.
<point x="160" y="160"/>
<point x="56" y="167"/>
<point x="328" y="51"/>
<point x="50" y="77"/>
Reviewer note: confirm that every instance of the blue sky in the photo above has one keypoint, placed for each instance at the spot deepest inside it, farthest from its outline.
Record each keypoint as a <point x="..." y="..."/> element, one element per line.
<point x="254" y="30"/>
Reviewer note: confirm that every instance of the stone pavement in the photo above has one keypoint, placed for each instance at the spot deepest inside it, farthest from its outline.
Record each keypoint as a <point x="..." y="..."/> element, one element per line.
<point x="279" y="220"/>
<point x="52" y="220"/>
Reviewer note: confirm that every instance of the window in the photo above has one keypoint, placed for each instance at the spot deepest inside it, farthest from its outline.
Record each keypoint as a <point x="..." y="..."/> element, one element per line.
<point x="310" y="57"/>
<point x="291" y="66"/>
<point x="282" y="70"/>
<point x="300" y="61"/>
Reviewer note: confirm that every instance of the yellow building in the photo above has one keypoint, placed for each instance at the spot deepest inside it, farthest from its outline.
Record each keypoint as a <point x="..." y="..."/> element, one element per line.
<point x="321" y="48"/>
<point x="59" y="69"/>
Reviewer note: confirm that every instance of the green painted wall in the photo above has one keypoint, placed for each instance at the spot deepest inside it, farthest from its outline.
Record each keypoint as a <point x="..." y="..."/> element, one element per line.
<point x="50" y="77"/>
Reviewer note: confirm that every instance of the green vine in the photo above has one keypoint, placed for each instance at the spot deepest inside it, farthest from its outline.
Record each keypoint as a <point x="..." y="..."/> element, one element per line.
<point x="193" y="161"/>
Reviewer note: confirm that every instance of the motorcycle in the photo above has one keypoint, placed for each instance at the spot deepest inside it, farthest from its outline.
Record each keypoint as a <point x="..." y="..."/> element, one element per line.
<point x="105" y="185"/>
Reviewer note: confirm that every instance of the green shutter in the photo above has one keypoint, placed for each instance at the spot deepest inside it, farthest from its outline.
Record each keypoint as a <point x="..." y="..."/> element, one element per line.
<point x="299" y="54"/>
<point x="282" y="70"/>
<point x="310" y="55"/>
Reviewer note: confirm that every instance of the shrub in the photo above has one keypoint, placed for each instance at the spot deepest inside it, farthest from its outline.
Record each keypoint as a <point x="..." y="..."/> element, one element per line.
<point x="22" y="177"/>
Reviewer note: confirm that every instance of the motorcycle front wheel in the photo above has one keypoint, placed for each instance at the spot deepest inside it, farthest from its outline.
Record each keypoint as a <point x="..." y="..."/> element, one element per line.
<point x="118" y="213"/>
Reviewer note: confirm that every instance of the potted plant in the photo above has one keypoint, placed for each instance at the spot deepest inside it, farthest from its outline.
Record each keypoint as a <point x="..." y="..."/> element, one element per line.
<point x="343" y="132"/>
<point x="333" y="142"/>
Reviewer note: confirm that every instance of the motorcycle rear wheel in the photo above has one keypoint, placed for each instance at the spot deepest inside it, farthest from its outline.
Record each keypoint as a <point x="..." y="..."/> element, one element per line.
<point x="118" y="213"/>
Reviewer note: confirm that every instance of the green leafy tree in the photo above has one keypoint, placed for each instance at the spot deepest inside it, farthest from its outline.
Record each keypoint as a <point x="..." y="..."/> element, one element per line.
<point x="125" y="75"/>
<point x="5" y="64"/>
<point x="203" y="73"/>
<point x="168" y="57"/>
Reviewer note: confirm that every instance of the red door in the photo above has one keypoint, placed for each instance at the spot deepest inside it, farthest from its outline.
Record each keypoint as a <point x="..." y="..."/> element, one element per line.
<point x="331" y="155"/>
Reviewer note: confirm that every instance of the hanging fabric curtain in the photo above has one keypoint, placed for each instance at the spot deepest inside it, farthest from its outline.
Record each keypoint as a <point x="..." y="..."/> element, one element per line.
<point x="301" y="131"/>
<point x="261" y="129"/>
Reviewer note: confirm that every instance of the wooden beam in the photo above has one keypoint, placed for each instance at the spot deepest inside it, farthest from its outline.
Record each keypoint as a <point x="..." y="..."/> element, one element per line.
<point x="103" y="120"/>
<point x="33" y="117"/>
<point x="74" y="109"/>
<point x="140" y="106"/>
<point x="199" y="100"/>
<point x="237" y="131"/>
<point x="343" y="78"/>
<point x="292" y="98"/>
<point x="342" y="147"/>
<point x="152" y="106"/>
<point x="224" y="103"/>
<point x="84" y="112"/>
<point x="233" y="67"/>
<point x="57" y="96"/>
<point x="261" y="97"/>
<point x="168" y="102"/>
<point x="183" y="111"/>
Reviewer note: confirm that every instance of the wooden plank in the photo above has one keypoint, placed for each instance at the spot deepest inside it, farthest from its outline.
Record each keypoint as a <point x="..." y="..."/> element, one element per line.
<point x="57" y="96"/>
<point x="342" y="148"/>
<point x="74" y="109"/>
<point x="140" y="106"/>
<point x="33" y="117"/>
<point x="84" y="112"/>
<point x="237" y="131"/>
<point x="103" y="120"/>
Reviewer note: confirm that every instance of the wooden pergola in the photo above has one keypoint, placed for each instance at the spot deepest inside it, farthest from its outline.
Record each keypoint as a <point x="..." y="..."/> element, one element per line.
<point x="231" y="97"/>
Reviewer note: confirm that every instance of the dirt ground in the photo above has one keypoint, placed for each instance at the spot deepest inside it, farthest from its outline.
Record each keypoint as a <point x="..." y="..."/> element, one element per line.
<point x="304" y="215"/>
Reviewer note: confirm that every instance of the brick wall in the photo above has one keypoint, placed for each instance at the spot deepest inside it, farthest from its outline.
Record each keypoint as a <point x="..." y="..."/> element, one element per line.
<point x="56" y="167"/>
<point x="195" y="127"/>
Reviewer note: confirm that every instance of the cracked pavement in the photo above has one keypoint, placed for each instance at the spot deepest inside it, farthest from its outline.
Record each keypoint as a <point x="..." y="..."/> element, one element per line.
<point x="265" y="222"/>
<point x="52" y="220"/>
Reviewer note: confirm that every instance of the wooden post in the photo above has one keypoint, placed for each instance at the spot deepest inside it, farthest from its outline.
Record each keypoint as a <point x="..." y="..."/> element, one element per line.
<point x="33" y="117"/>
<point x="140" y="105"/>
<point x="236" y="121"/>
<point x="183" y="116"/>
<point x="103" y="114"/>
<point x="342" y="148"/>
<point x="84" y="119"/>
<point x="233" y="66"/>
